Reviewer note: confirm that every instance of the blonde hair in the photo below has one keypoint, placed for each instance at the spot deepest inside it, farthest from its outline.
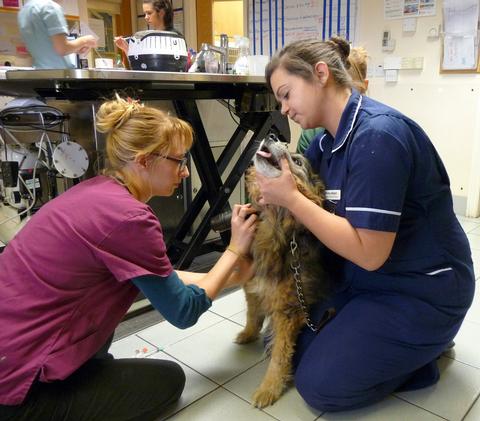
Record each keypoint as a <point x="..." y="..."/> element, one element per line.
<point x="133" y="129"/>
<point x="347" y="67"/>
<point x="357" y="60"/>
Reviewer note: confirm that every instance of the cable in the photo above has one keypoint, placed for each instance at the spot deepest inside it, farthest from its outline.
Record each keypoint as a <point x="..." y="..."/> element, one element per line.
<point x="7" y="115"/>
<point x="15" y="140"/>
<point x="33" y="128"/>
<point x="34" y="195"/>
<point x="45" y="128"/>
<point x="230" y="112"/>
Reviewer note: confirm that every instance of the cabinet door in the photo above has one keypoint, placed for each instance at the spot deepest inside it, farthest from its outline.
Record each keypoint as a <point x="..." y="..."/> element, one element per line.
<point x="70" y="7"/>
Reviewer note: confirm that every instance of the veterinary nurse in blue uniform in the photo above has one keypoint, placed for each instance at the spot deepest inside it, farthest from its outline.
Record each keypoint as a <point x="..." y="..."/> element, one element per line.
<point x="400" y="259"/>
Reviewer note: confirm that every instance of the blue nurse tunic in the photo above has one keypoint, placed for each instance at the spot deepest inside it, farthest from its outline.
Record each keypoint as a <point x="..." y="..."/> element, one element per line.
<point x="383" y="173"/>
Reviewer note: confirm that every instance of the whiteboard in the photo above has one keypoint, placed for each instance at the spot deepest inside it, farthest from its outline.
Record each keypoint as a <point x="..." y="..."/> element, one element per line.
<point x="275" y="23"/>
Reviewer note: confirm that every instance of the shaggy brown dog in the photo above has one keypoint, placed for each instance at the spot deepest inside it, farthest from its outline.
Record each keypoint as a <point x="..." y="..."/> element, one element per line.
<point x="272" y="293"/>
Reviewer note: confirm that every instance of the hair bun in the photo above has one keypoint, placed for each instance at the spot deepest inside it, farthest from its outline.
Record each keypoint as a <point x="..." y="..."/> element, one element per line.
<point x="343" y="48"/>
<point x="112" y="114"/>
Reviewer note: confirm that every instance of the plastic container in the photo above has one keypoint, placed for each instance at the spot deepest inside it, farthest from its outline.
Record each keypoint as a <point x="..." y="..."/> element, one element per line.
<point x="241" y="66"/>
<point x="211" y="62"/>
<point x="257" y="64"/>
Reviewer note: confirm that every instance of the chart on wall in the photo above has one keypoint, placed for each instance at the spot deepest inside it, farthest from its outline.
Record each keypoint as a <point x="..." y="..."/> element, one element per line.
<point x="399" y="9"/>
<point x="11" y="43"/>
<point x="275" y="23"/>
<point x="460" y="34"/>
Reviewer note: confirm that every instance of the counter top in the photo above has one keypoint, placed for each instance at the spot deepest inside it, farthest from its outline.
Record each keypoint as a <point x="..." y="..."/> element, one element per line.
<point x="117" y="74"/>
<point x="88" y="84"/>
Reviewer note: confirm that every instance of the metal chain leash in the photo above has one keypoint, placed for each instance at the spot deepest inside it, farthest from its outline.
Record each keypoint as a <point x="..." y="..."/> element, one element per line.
<point x="296" y="269"/>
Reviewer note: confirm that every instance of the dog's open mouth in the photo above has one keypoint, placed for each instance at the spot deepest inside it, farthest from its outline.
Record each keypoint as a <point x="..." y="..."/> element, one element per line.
<point x="264" y="153"/>
<point x="268" y="156"/>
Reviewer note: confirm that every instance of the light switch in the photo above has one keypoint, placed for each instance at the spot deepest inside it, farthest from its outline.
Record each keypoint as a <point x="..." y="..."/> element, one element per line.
<point x="391" y="75"/>
<point x="409" y="24"/>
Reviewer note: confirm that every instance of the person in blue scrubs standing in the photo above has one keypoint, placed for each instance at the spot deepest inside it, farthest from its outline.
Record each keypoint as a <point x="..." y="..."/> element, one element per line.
<point x="400" y="259"/>
<point x="44" y="29"/>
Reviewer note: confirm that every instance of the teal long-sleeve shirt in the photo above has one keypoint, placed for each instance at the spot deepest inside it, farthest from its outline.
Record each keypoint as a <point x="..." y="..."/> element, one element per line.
<point x="180" y="304"/>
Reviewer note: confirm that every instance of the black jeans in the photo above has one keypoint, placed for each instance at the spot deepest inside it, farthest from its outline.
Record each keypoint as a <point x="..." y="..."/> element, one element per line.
<point x="104" y="389"/>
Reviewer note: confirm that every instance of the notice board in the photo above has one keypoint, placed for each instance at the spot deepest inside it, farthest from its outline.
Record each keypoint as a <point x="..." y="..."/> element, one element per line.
<point x="275" y="23"/>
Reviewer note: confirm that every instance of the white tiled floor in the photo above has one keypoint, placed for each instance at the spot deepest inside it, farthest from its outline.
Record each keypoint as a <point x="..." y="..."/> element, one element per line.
<point x="221" y="375"/>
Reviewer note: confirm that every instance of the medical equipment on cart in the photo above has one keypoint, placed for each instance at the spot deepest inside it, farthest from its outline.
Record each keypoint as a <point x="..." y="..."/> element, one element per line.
<point x="36" y="157"/>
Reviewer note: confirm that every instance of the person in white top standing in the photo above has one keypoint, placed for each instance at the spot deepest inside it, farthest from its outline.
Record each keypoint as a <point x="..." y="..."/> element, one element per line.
<point x="44" y="29"/>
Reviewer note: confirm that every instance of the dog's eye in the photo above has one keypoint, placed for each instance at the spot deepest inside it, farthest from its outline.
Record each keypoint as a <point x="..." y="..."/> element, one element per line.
<point x="297" y="161"/>
<point x="273" y="137"/>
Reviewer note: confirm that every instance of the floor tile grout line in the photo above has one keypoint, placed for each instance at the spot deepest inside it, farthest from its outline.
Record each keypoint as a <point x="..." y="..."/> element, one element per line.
<point x="227" y="317"/>
<point x="200" y="331"/>
<point x="193" y="369"/>
<point x="148" y="342"/>
<point x="477" y="399"/>
<point x="321" y="415"/>
<point x="211" y="392"/>
<point x="420" y="407"/>
<point x="248" y="402"/>
<point x="207" y="377"/>
<point x="194" y="401"/>
<point x="244" y="371"/>
<point x="186" y="337"/>
<point x="459" y="361"/>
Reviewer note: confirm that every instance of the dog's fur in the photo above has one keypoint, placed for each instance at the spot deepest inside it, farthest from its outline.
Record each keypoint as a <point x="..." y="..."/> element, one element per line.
<point x="272" y="292"/>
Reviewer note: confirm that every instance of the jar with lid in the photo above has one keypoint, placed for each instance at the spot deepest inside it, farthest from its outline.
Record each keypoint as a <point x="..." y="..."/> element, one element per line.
<point x="211" y="62"/>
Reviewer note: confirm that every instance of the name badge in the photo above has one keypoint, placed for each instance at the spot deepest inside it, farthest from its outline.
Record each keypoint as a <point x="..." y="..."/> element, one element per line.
<point x="333" y="194"/>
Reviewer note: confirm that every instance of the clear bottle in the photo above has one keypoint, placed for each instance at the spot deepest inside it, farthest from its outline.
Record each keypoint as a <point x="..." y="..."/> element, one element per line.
<point x="241" y="64"/>
<point x="211" y="62"/>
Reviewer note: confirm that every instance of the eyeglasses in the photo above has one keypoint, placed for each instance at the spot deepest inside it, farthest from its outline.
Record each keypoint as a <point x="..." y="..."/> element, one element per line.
<point x="182" y="162"/>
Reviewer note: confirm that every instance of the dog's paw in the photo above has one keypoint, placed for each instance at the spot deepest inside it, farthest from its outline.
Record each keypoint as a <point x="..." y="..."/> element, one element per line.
<point x="266" y="396"/>
<point x="245" y="337"/>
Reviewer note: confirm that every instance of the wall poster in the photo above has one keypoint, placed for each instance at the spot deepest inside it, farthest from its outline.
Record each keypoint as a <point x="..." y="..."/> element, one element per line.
<point x="283" y="21"/>
<point x="399" y="9"/>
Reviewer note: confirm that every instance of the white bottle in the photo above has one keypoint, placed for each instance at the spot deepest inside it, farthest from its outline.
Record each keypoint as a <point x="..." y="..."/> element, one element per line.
<point x="241" y="64"/>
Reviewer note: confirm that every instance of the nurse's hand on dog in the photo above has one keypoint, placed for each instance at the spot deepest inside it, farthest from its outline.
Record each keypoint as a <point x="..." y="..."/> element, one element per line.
<point x="279" y="190"/>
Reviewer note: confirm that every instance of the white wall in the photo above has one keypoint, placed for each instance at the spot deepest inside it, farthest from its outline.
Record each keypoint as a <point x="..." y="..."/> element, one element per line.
<point x="447" y="106"/>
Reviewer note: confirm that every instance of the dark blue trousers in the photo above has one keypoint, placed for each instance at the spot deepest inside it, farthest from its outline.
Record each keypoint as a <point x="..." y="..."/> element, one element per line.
<point x="376" y="344"/>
